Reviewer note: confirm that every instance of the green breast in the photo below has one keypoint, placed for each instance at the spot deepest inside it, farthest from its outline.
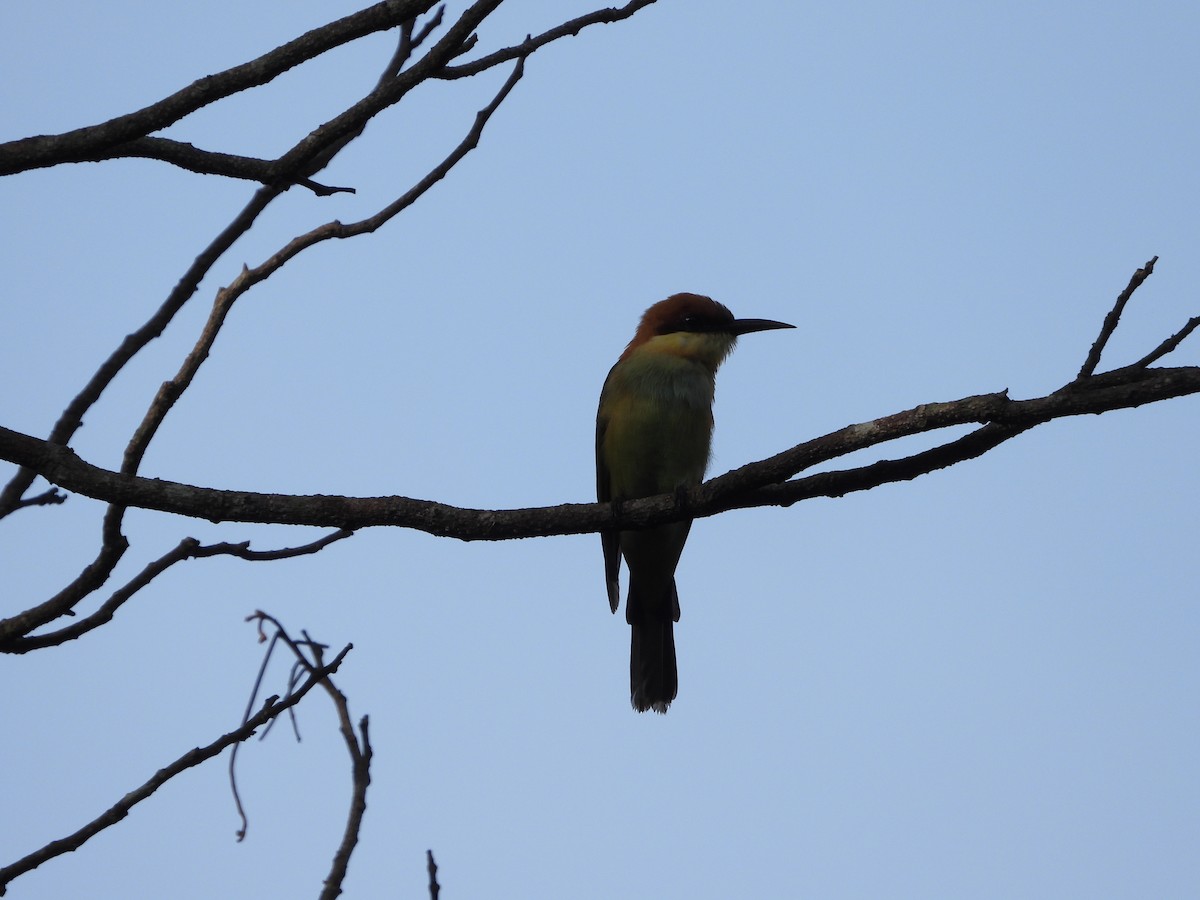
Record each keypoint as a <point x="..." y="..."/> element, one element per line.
<point x="659" y="425"/>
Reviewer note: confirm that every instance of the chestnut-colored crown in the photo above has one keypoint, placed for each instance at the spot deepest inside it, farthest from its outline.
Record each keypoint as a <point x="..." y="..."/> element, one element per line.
<point x="681" y="312"/>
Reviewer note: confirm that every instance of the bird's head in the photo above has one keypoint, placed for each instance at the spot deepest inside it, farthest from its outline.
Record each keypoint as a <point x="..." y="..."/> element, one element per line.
<point x="693" y="327"/>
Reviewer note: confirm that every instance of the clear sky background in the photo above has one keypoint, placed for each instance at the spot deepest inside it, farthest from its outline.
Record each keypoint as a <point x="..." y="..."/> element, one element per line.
<point x="983" y="683"/>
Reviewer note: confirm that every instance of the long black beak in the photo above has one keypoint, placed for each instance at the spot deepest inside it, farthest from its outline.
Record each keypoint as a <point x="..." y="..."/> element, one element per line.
<point x="746" y="326"/>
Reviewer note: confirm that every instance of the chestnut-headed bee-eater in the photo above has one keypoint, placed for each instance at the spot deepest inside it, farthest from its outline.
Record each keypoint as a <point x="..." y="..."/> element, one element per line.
<point x="653" y="436"/>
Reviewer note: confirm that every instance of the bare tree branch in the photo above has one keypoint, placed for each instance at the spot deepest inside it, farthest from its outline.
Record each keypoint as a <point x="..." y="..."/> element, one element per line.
<point x="530" y="44"/>
<point x="1169" y="344"/>
<point x="408" y="42"/>
<point x="1003" y="418"/>
<point x="1114" y="317"/>
<point x="12" y="631"/>
<point x="1121" y="389"/>
<point x="128" y="136"/>
<point x="431" y="867"/>
<point x="307" y="156"/>
<point x="885" y="471"/>
<point x="457" y="40"/>
<point x="359" y="748"/>
<point x="361" y="755"/>
<point x="50" y="497"/>
<point x="94" y="141"/>
<point x="358" y="745"/>
<point x="91" y="579"/>
<point x="118" y="811"/>
<point x="208" y="162"/>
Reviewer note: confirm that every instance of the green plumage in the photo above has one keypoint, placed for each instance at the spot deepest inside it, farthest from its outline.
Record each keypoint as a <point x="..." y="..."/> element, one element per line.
<point x="653" y="436"/>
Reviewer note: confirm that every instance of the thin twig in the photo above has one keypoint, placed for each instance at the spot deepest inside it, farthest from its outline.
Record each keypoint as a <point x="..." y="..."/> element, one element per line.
<point x="1113" y="319"/>
<point x="431" y="867"/>
<point x="428" y="28"/>
<point x="233" y="787"/>
<point x="403" y="51"/>
<point x="358" y="745"/>
<point x="530" y="44"/>
<point x="51" y="497"/>
<point x="361" y="753"/>
<point x="409" y="42"/>
<point x="188" y="548"/>
<point x="1169" y="344"/>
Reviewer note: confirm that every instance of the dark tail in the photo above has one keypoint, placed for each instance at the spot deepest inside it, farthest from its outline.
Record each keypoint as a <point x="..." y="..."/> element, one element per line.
<point x="653" y="674"/>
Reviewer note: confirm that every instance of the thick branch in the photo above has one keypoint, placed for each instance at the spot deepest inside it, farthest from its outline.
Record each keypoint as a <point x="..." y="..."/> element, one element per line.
<point x="129" y="136"/>
<point x="187" y="156"/>
<point x="1120" y="389"/>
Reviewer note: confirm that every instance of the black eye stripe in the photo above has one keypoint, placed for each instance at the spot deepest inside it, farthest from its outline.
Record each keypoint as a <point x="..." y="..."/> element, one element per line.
<point x="694" y="323"/>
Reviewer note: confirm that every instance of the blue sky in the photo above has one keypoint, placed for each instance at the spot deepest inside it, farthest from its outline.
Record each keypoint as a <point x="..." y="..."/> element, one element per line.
<point x="981" y="683"/>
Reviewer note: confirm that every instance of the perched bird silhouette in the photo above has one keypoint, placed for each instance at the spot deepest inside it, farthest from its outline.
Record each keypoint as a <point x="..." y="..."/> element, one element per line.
<point x="653" y="436"/>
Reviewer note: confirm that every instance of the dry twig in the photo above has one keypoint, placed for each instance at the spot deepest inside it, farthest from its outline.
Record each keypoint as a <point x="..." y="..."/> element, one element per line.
<point x="271" y="708"/>
<point x="308" y="655"/>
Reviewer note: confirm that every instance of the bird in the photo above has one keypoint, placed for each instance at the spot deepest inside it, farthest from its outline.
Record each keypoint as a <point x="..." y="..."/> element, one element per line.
<point x="654" y="431"/>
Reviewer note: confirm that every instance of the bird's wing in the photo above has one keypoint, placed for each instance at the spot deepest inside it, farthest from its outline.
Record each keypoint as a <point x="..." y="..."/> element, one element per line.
<point x="609" y="540"/>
